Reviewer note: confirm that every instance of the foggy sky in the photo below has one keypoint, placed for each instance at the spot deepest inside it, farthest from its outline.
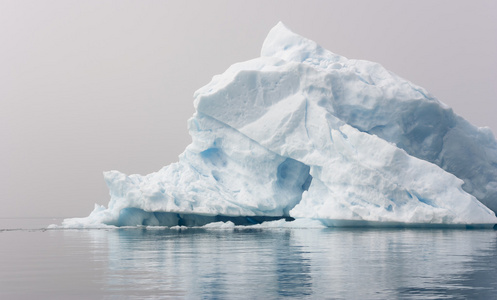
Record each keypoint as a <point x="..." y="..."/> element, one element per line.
<point x="90" y="86"/>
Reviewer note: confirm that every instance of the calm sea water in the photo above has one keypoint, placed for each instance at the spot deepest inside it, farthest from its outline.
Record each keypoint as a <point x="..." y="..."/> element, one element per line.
<point x="246" y="263"/>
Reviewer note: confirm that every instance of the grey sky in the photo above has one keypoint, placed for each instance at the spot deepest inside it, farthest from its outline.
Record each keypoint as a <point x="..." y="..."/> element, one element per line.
<point x="89" y="86"/>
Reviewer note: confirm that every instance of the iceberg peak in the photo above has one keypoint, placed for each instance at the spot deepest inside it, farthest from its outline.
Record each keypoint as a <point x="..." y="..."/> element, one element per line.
<point x="279" y="38"/>
<point x="283" y="43"/>
<point x="301" y="132"/>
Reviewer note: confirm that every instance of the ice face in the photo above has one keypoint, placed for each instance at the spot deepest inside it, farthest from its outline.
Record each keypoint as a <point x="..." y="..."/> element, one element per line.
<point x="301" y="132"/>
<point x="374" y="100"/>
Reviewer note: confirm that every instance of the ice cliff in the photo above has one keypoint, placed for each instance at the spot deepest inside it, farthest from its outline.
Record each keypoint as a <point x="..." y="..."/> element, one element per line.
<point x="301" y="132"/>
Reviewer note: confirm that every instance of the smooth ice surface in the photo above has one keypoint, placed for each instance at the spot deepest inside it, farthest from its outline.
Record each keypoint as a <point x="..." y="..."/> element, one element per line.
<point x="304" y="133"/>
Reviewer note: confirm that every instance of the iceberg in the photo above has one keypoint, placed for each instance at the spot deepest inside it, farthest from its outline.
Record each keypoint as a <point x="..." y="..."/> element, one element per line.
<point x="303" y="133"/>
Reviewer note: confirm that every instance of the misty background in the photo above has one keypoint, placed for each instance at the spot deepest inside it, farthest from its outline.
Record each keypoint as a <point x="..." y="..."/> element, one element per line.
<point x="91" y="86"/>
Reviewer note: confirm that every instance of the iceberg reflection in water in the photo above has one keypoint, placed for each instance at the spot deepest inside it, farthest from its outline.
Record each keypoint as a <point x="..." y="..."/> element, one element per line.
<point x="241" y="263"/>
<point x="300" y="263"/>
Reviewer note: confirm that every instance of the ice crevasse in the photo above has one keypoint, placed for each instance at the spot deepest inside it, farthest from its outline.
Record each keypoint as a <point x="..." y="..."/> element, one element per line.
<point x="303" y="133"/>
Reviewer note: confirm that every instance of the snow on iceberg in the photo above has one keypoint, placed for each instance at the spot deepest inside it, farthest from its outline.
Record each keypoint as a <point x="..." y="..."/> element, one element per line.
<point x="301" y="132"/>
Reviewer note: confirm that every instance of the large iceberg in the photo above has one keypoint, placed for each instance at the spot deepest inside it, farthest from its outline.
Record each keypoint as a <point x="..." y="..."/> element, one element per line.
<point x="301" y="132"/>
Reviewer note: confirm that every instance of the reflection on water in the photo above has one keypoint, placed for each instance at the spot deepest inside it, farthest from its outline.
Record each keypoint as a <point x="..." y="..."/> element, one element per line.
<point x="299" y="263"/>
<point x="255" y="263"/>
<point x="211" y="264"/>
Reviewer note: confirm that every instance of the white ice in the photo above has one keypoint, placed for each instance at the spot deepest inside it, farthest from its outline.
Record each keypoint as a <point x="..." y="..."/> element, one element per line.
<point x="304" y="133"/>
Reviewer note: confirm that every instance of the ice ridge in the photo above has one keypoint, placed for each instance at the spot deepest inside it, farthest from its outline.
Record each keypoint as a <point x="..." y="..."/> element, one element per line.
<point x="301" y="132"/>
